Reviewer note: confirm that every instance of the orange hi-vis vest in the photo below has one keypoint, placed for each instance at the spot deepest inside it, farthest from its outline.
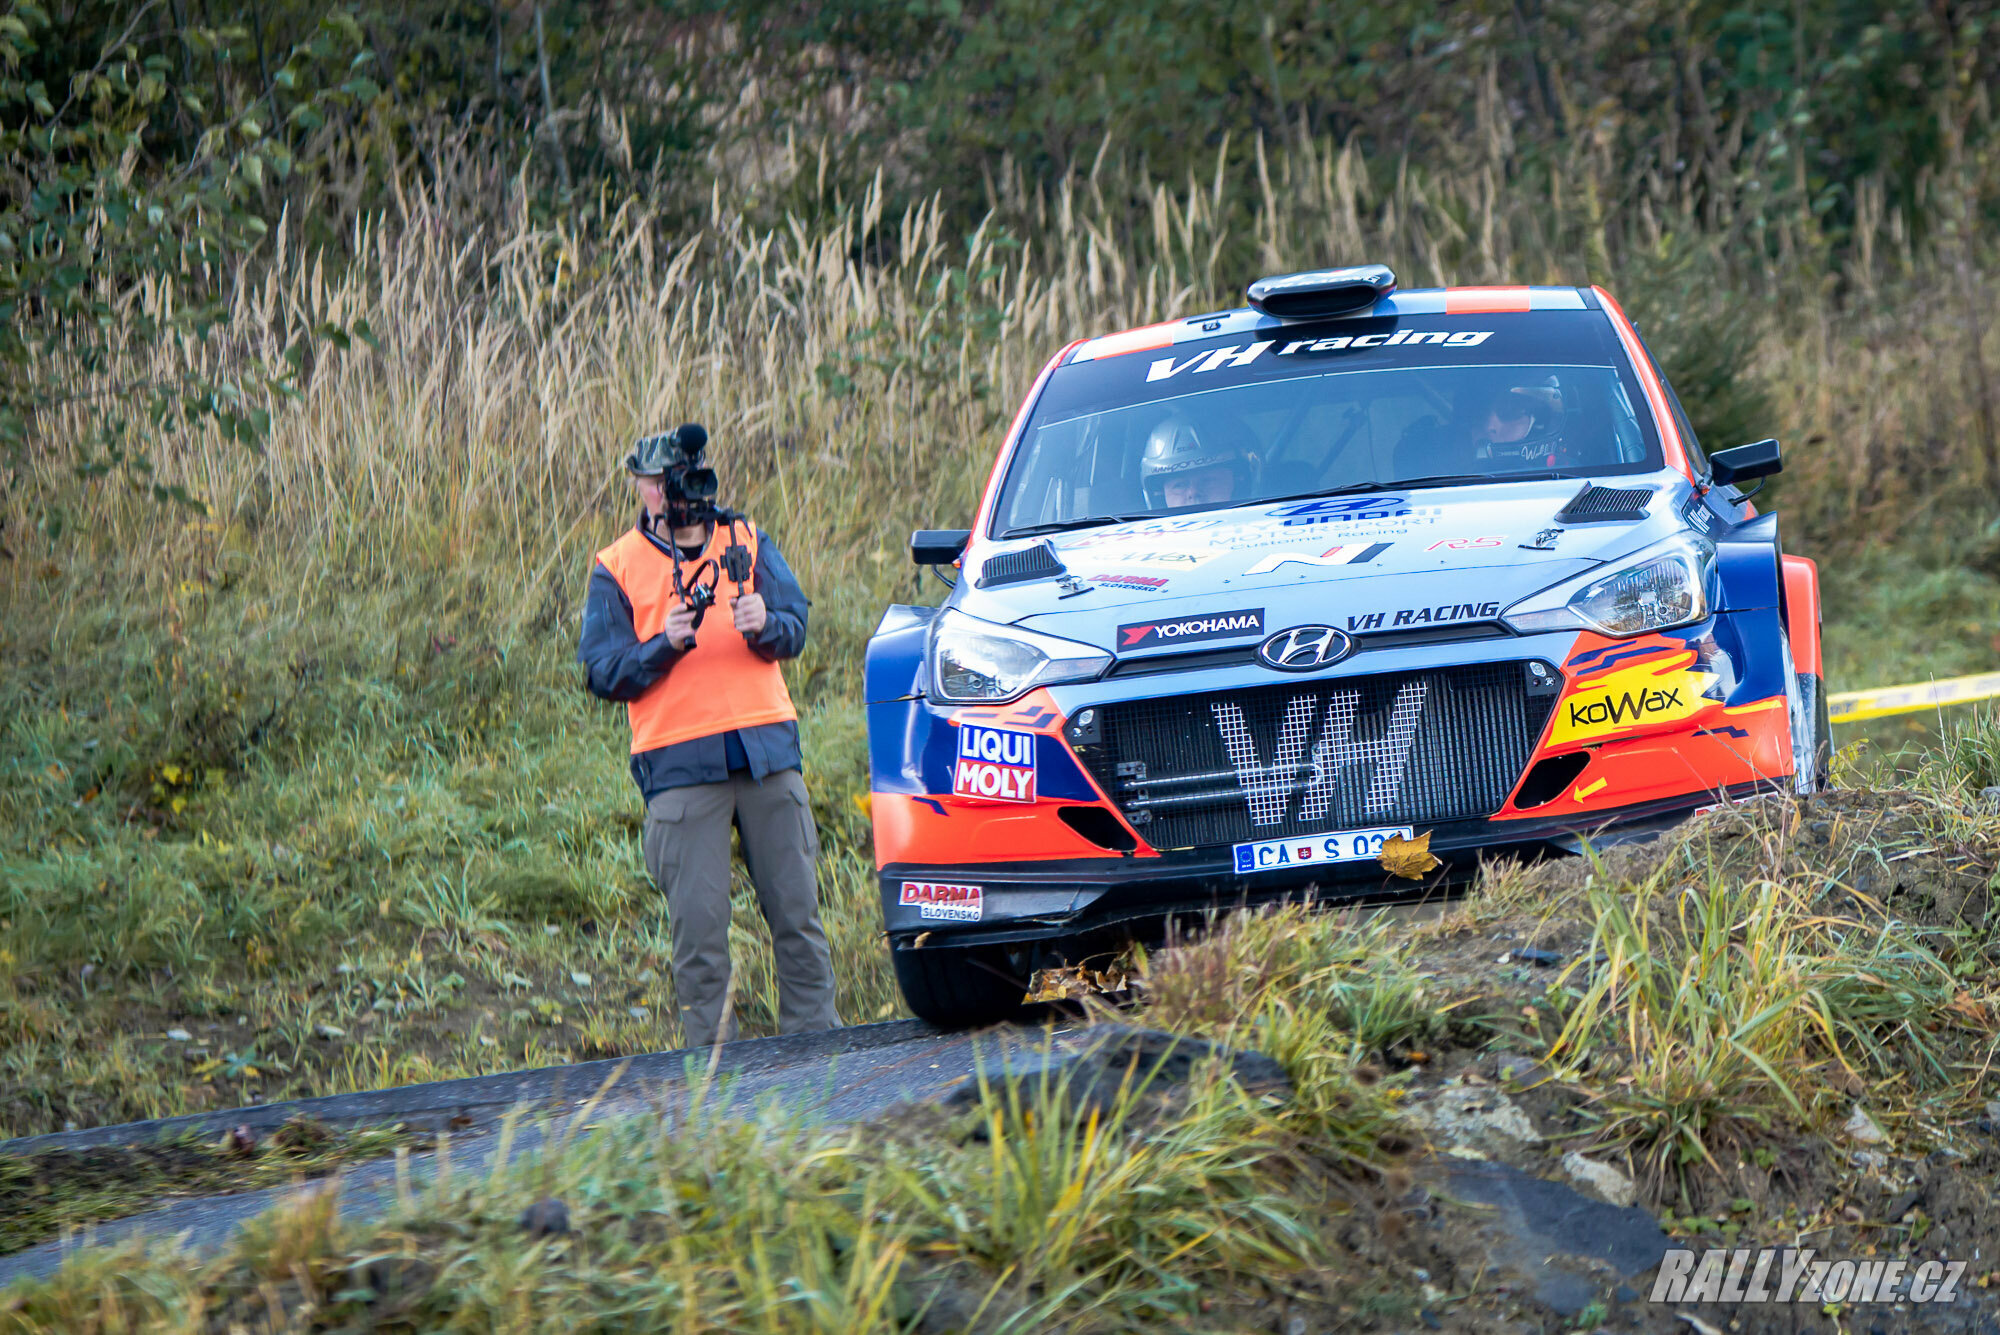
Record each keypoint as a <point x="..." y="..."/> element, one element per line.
<point x="719" y="685"/>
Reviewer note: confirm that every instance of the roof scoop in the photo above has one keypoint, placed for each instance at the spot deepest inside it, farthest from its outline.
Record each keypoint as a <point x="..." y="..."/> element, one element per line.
<point x="1322" y="293"/>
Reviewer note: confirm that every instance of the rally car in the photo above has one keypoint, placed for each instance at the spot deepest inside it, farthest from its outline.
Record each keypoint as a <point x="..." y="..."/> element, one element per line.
<point x="1253" y="596"/>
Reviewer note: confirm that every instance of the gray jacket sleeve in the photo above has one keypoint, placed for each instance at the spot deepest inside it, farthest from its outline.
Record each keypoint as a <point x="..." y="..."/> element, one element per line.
<point x="617" y="664"/>
<point x="785" y="603"/>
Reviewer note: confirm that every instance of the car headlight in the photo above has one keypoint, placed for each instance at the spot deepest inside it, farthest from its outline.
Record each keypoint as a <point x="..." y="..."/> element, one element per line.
<point x="982" y="662"/>
<point x="1668" y="584"/>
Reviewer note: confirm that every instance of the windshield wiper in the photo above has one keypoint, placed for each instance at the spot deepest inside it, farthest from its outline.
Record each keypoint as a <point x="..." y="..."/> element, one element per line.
<point x="1066" y="525"/>
<point x="1408" y="483"/>
<point x="1330" y="491"/>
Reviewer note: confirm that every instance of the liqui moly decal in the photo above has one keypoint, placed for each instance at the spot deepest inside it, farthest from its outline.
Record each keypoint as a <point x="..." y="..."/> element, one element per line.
<point x="994" y="764"/>
<point x="940" y="900"/>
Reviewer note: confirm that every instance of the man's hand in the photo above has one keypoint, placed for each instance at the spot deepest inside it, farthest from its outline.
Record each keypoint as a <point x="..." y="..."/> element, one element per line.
<point x="680" y="628"/>
<point x="749" y="612"/>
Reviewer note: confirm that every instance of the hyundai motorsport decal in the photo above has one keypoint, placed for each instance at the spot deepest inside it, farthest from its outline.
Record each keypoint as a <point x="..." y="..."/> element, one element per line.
<point x="1182" y="630"/>
<point x="995" y="764"/>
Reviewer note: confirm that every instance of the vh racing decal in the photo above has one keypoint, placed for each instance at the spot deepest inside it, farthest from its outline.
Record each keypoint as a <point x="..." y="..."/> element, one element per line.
<point x="994" y="764"/>
<point x="1207" y="626"/>
<point x="1644" y="694"/>
<point x="943" y="901"/>
<point x="1215" y="359"/>
<point x="1443" y="614"/>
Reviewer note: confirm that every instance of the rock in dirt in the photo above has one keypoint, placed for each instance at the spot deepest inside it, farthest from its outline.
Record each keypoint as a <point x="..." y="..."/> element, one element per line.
<point x="1109" y="1057"/>
<point x="1573" y="1249"/>
<point x="1477" y="1117"/>
<point x="547" y="1217"/>
<point x="1600" y="1179"/>
<point x="1863" y="1128"/>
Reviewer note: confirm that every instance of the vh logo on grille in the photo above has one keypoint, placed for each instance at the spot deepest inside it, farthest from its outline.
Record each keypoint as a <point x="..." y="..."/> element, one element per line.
<point x="995" y="764"/>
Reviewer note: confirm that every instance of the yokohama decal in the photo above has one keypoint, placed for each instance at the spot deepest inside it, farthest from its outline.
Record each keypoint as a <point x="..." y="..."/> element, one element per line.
<point x="1268" y="786"/>
<point x="1208" y="626"/>
<point x="952" y="903"/>
<point x="994" y="764"/>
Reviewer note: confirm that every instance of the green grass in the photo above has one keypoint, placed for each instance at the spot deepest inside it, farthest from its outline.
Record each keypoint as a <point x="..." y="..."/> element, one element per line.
<point x="346" y="861"/>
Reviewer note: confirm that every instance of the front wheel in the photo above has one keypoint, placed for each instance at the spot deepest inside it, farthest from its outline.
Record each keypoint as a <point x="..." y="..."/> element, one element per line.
<point x="1812" y="730"/>
<point x="955" y="987"/>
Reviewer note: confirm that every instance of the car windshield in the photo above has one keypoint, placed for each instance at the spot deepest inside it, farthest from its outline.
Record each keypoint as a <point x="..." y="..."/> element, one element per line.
<point x="1109" y="444"/>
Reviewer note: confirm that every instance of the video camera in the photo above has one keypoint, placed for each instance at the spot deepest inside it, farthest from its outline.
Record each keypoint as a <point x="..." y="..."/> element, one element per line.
<point x="675" y="457"/>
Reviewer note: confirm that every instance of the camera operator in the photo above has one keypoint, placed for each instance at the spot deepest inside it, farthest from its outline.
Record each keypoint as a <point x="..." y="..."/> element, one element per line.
<point x="687" y="618"/>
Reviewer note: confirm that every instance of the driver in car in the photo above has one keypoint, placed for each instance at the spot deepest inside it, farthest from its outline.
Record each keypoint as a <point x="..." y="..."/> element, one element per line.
<point x="1523" y="422"/>
<point x="1184" y="465"/>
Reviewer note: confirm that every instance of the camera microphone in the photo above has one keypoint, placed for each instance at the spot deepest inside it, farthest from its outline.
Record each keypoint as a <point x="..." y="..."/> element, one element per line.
<point x="692" y="437"/>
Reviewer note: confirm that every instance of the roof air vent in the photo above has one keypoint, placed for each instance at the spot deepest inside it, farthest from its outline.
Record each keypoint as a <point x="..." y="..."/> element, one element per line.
<point x="1036" y="562"/>
<point x="1323" y="292"/>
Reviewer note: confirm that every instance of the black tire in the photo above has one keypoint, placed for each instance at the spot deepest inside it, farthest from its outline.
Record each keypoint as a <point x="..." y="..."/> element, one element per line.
<point x="958" y="987"/>
<point x="1814" y="687"/>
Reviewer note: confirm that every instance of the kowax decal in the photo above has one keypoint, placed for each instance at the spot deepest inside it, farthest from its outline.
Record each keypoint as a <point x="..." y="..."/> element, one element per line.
<point x="941" y="900"/>
<point x="1660" y="691"/>
<point x="994" y="764"/>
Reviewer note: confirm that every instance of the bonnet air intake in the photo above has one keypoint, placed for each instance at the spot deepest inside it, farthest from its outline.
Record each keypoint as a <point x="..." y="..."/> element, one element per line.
<point x="1605" y="505"/>
<point x="1322" y="293"/>
<point x="1036" y="562"/>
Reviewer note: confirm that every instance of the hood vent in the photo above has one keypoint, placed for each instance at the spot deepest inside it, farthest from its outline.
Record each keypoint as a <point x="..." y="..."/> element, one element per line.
<point x="1605" y="505"/>
<point x="1036" y="562"/>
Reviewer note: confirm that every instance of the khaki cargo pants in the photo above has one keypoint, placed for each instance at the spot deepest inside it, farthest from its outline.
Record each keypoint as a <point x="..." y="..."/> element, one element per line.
<point x="686" y="842"/>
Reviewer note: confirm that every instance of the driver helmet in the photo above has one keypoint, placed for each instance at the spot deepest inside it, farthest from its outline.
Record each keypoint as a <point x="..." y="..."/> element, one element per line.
<point x="1177" y="447"/>
<point x="1540" y="400"/>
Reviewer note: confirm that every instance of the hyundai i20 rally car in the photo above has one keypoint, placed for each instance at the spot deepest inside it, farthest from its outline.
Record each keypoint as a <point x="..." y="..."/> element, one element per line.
<point x="1250" y="595"/>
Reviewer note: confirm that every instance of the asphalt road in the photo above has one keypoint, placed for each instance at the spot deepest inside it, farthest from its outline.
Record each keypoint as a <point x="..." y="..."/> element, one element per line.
<point x="845" y="1075"/>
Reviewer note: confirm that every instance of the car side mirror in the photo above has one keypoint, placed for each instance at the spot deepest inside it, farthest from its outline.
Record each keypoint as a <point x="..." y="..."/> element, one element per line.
<point x="1740" y="464"/>
<point x="938" y="546"/>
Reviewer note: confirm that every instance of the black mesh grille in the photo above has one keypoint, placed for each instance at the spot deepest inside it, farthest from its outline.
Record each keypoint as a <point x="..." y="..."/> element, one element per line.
<point x="1036" y="562"/>
<point x="1271" y="762"/>
<point x="1597" y="505"/>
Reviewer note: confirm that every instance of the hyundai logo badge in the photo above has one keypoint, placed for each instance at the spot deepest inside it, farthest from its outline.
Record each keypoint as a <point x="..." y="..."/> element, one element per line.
<point x="1305" y="648"/>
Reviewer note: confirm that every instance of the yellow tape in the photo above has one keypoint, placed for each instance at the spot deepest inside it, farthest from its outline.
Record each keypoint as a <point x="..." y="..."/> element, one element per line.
<point x="1854" y="706"/>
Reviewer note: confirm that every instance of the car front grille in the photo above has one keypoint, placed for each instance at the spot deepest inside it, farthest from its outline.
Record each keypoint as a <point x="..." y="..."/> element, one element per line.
<point x="1295" y="758"/>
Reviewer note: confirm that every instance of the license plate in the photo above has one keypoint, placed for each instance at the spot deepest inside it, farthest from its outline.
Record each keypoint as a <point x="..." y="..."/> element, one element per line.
<point x="1310" y="850"/>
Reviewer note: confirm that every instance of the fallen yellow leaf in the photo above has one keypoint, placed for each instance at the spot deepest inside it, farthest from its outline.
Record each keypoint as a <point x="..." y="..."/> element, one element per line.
<point x="1408" y="857"/>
